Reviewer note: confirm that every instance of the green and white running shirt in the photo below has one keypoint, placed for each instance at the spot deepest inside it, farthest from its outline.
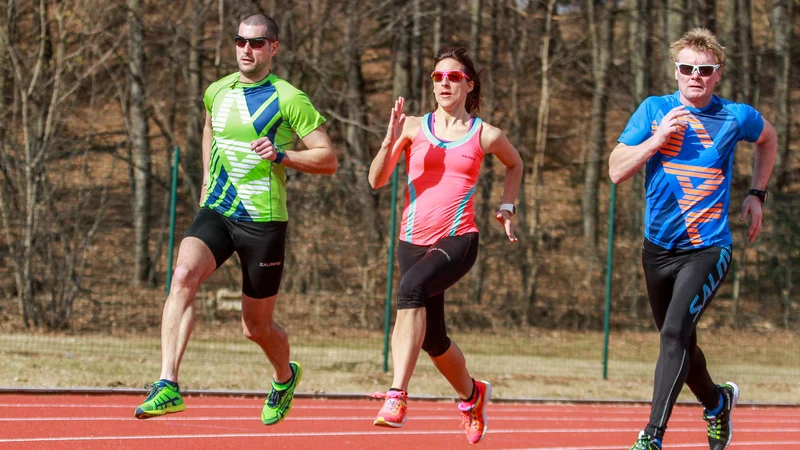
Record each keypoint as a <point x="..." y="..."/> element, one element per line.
<point x="241" y="185"/>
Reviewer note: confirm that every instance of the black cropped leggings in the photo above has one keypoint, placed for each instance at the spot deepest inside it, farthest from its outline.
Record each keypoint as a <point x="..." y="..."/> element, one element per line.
<point x="426" y="272"/>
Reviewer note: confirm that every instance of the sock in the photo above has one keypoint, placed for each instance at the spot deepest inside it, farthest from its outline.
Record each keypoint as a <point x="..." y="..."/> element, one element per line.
<point x="169" y="383"/>
<point x="718" y="409"/>
<point x="398" y="390"/>
<point x="472" y="395"/>
<point x="284" y="385"/>
<point x="653" y="432"/>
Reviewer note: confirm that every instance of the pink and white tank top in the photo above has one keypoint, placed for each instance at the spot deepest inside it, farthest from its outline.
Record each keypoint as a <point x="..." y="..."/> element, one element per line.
<point x="442" y="177"/>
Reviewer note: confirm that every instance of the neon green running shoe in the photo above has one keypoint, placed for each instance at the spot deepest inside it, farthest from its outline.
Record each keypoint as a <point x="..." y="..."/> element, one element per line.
<point x="279" y="401"/>
<point x="162" y="399"/>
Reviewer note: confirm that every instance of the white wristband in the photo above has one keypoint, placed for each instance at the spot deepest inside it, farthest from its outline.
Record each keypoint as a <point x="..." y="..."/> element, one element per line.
<point x="508" y="207"/>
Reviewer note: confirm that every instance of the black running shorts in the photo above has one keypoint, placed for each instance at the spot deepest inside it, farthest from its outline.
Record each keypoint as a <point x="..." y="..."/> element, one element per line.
<point x="261" y="247"/>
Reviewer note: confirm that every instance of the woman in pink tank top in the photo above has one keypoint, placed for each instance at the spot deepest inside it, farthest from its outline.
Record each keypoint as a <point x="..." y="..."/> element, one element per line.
<point x="438" y="235"/>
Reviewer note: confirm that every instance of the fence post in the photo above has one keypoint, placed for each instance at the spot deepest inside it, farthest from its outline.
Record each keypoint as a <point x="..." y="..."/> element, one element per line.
<point x="390" y="272"/>
<point x="609" y="271"/>
<point x="172" y="201"/>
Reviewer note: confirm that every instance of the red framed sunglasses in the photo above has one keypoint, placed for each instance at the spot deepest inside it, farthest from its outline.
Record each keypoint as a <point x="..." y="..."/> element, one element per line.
<point x="256" y="42"/>
<point x="453" y="76"/>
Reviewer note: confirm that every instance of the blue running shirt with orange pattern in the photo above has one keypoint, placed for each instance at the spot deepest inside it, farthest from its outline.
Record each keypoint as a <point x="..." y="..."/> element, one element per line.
<point x="688" y="180"/>
<point x="241" y="185"/>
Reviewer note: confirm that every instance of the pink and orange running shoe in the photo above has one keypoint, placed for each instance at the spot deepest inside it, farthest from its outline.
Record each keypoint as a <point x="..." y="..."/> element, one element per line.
<point x="393" y="413"/>
<point x="473" y="414"/>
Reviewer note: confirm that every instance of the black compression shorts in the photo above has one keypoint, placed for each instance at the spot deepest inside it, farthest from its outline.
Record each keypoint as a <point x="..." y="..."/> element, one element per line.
<point x="261" y="248"/>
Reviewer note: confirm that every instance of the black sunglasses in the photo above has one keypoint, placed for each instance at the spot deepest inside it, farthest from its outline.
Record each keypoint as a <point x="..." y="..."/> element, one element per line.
<point x="256" y="42"/>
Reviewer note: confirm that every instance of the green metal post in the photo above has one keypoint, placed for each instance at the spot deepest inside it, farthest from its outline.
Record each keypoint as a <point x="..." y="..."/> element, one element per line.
<point x="172" y="200"/>
<point x="390" y="272"/>
<point x="609" y="272"/>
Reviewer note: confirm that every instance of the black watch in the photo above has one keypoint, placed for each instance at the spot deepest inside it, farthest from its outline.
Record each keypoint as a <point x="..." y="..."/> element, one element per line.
<point x="762" y="195"/>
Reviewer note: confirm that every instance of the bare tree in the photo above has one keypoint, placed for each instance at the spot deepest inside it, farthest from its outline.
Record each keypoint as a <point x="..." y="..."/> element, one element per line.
<point x="438" y="24"/>
<point x="640" y="37"/>
<point x="195" y="114"/>
<point x="47" y="235"/>
<point x="674" y="22"/>
<point x="140" y="142"/>
<point x="729" y="38"/>
<point x="401" y="57"/>
<point x="475" y="29"/>
<point x="746" y="60"/>
<point x="418" y="82"/>
<point x="782" y="14"/>
<point x="601" y="27"/>
<point x="540" y="147"/>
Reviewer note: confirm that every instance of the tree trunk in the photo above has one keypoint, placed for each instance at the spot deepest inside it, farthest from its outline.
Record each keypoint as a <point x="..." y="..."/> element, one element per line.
<point x="401" y="62"/>
<point x="746" y="61"/>
<point x="675" y="15"/>
<point x="542" y="124"/>
<point x="285" y="64"/>
<point x="140" y="142"/>
<point x="419" y="83"/>
<point x="192" y="155"/>
<point x="482" y="207"/>
<point x="730" y="39"/>
<point x="782" y="15"/>
<point x="640" y="37"/>
<point x="475" y="29"/>
<point x="356" y="136"/>
<point x="601" y="29"/>
<point x="438" y="25"/>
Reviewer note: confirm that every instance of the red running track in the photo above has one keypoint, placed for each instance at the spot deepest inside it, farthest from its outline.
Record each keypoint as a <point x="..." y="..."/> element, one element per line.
<point x="106" y="422"/>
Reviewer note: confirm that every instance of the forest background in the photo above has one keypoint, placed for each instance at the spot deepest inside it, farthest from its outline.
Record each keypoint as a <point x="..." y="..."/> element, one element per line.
<point x="95" y="95"/>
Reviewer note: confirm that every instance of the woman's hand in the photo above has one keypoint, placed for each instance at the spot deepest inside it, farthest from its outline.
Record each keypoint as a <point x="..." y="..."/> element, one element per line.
<point x="396" y="122"/>
<point x="504" y="217"/>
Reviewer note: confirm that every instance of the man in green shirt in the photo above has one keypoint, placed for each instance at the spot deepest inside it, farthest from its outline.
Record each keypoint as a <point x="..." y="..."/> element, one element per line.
<point x="252" y="117"/>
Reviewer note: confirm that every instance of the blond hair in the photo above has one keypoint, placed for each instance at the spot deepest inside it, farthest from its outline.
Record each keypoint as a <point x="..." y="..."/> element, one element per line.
<point x="699" y="40"/>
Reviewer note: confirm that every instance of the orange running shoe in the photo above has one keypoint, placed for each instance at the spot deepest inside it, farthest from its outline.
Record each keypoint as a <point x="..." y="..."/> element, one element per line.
<point x="393" y="413"/>
<point x="473" y="414"/>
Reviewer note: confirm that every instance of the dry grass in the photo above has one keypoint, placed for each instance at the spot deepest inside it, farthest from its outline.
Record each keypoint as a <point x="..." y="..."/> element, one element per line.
<point x="553" y="365"/>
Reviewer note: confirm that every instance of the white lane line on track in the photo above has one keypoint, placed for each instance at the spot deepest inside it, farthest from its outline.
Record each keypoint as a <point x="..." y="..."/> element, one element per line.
<point x="380" y="433"/>
<point x="743" y="445"/>
<point x="635" y="411"/>
<point x="571" y="419"/>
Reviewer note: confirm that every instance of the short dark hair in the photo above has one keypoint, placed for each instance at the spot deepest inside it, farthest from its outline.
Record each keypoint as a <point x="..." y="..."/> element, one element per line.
<point x="264" y="20"/>
<point x="473" y="103"/>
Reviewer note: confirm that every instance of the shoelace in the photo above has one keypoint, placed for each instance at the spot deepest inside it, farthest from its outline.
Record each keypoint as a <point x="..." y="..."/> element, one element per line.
<point x="469" y="419"/>
<point x="274" y="397"/>
<point x="716" y="426"/>
<point x="392" y="404"/>
<point x="154" y="388"/>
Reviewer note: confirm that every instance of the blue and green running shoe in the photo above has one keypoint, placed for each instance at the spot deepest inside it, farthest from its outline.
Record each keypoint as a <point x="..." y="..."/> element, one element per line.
<point x="646" y="442"/>
<point x="164" y="398"/>
<point x="279" y="401"/>
<point x="720" y="426"/>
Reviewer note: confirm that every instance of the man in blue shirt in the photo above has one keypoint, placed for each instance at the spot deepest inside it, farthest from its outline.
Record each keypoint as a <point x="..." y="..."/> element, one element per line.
<point x="687" y="141"/>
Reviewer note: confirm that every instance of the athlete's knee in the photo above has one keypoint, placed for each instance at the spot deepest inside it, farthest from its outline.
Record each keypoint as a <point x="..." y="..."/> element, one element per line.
<point x="674" y="335"/>
<point x="256" y="330"/>
<point x="436" y="344"/>
<point x="410" y="294"/>
<point x="185" y="277"/>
